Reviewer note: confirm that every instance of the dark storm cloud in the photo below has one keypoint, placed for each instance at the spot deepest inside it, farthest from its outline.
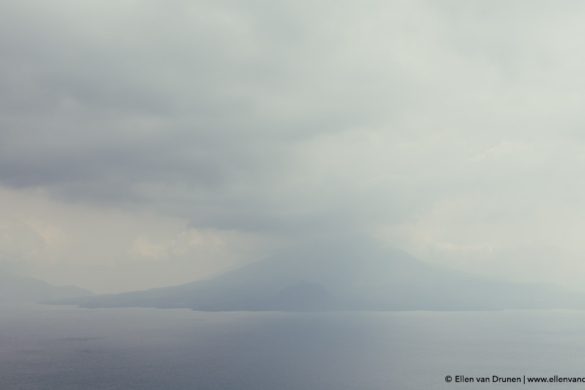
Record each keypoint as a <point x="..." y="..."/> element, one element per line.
<point x="263" y="114"/>
<point x="198" y="106"/>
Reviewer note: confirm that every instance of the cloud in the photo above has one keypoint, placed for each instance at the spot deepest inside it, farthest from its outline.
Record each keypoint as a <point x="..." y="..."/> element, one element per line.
<point x="113" y="249"/>
<point x="293" y="119"/>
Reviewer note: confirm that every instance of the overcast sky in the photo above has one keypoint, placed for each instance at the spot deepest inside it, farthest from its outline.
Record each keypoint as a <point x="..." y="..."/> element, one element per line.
<point x="147" y="143"/>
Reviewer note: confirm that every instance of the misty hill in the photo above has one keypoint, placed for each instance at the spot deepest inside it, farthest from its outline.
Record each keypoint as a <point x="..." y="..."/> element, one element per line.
<point x="20" y="289"/>
<point x="336" y="276"/>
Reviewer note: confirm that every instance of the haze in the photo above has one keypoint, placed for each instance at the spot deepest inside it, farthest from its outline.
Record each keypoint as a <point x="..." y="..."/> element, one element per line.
<point x="147" y="143"/>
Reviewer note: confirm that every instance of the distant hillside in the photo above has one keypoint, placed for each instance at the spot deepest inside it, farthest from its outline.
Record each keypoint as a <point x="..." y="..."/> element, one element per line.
<point x="337" y="276"/>
<point x="19" y="289"/>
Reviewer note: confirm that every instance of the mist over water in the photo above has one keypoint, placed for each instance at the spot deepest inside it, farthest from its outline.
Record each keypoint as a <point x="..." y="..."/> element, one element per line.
<point x="62" y="348"/>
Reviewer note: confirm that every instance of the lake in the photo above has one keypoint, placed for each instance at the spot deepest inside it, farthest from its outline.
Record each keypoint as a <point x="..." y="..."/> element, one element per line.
<point x="63" y="348"/>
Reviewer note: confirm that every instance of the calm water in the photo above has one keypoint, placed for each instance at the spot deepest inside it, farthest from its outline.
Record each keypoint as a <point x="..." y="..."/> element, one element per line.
<point x="61" y="348"/>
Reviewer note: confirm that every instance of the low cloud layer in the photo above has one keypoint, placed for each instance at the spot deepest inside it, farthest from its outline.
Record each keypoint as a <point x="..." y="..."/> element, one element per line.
<point x="450" y="130"/>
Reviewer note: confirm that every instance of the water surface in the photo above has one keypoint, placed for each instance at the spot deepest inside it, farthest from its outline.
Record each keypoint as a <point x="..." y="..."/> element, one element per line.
<point x="63" y="348"/>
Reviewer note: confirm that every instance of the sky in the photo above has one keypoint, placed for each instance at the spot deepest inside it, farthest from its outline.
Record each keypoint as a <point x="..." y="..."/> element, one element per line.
<point x="149" y="143"/>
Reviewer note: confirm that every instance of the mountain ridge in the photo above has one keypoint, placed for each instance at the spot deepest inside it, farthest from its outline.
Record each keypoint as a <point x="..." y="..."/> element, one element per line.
<point x="22" y="289"/>
<point x="321" y="276"/>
